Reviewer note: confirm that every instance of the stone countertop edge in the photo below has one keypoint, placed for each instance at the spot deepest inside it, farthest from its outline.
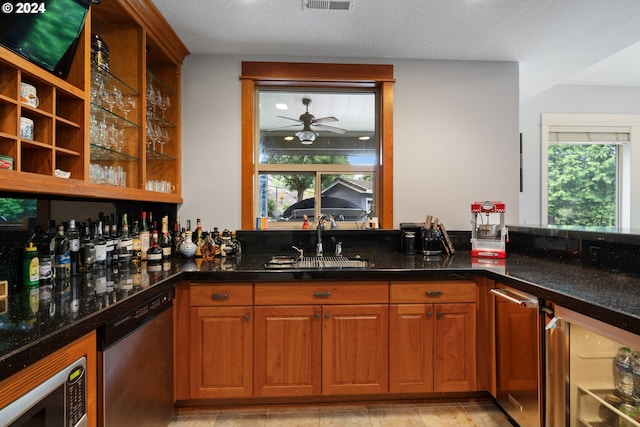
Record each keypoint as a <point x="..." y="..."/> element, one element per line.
<point x="611" y="298"/>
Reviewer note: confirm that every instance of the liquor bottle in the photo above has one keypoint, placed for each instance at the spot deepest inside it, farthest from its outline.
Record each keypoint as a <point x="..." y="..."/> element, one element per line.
<point x="154" y="253"/>
<point x="137" y="244"/>
<point x="87" y="249"/>
<point x="45" y="271"/>
<point x="177" y="236"/>
<point x="60" y="255"/>
<point x="31" y="276"/>
<point x="145" y="236"/>
<point x="237" y="247"/>
<point x="74" y="243"/>
<point x="207" y="249"/>
<point x="125" y="243"/>
<point x="165" y="241"/>
<point x="199" y="239"/>
<point x="100" y="244"/>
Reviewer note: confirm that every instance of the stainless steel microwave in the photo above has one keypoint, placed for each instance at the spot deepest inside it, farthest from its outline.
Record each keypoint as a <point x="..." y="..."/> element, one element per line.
<point x="60" y="401"/>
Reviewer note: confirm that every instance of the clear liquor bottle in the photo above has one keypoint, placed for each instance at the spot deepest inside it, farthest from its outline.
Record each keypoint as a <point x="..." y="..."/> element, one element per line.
<point x="145" y="236"/>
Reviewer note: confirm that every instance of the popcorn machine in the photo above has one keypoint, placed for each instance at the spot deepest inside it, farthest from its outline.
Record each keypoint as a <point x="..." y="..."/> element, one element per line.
<point x="488" y="232"/>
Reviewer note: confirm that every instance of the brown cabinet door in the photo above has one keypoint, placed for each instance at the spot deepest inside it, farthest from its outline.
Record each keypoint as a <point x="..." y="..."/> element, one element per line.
<point x="221" y="352"/>
<point x="454" y="347"/>
<point x="287" y="346"/>
<point x="355" y="349"/>
<point x="517" y="335"/>
<point x="411" y="348"/>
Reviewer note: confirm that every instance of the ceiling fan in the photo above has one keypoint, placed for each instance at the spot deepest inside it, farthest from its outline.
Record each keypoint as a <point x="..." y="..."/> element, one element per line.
<point x="307" y="135"/>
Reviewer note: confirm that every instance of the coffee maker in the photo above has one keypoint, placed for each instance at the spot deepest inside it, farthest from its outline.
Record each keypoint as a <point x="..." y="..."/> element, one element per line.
<point x="488" y="232"/>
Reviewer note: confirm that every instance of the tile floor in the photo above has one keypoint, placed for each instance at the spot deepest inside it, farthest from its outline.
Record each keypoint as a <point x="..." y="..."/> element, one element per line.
<point x="467" y="414"/>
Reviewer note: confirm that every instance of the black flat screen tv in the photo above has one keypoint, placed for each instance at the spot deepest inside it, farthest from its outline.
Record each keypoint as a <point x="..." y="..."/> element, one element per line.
<point x="47" y="35"/>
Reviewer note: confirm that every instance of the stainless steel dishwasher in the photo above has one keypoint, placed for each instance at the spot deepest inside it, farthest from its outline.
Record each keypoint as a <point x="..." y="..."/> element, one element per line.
<point x="135" y="361"/>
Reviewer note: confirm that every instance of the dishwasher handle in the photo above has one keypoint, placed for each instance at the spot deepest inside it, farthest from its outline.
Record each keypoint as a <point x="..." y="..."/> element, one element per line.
<point x="523" y="301"/>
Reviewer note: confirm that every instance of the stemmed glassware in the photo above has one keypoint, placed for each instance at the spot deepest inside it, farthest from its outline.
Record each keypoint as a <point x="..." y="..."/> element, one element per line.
<point x="128" y="103"/>
<point x="165" y="102"/>
<point x="162" y="137"/>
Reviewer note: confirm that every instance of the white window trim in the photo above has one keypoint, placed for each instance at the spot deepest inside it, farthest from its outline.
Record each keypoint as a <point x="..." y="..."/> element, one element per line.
<point x="620" y="123"/>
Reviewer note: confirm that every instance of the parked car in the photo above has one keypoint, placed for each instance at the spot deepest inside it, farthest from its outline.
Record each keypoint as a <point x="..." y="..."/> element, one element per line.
<point x="340" y="209"/>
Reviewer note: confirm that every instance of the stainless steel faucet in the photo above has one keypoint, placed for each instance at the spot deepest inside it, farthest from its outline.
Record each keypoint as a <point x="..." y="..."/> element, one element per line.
<point x="319" y="229"/>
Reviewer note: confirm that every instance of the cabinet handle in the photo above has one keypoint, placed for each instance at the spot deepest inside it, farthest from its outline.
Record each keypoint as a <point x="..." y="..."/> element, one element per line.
<point x="247" y="316"/>
<point x="432" y="294"/>
<point x="316" y="316"/>
<point x="327" y="316"/>
<point x="322" y="294"/>
<point x="439" y="315"/>
<point x="429" y="314"/>
<point x="219" y="297"/>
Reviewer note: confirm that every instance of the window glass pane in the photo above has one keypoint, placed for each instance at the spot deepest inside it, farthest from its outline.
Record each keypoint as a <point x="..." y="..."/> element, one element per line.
<point x="317" y="127"/>
<point x="347" y="197"/>
<point x="286" y="197"/>
<point x="14" y="210"/>
<point x="582" y="182"/>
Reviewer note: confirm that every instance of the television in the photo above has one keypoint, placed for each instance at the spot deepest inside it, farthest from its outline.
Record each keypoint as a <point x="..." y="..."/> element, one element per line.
<point x="45" y="33"/>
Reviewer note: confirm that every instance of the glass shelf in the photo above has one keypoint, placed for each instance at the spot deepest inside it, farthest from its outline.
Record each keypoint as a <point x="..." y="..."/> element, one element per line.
<point x="99" y="153"/>
<point x="104" y="76"/>
<point x="109" y="117"/>
<point x="159" y="84"/>
<point x="593" y="410"/>
<point x="158" y="119"/>
<point x="157" y="155"/>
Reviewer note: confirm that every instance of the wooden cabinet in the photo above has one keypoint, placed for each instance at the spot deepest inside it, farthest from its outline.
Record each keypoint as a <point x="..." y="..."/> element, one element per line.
<point x="220" y="341"/>
<point x="287" y="349"/>
<point x="84" y="125"/>
<point x="340" y="331"/>
<point x="355" y="349"/>
<point x="32" y="376"/>
<point x="432" y="336"/>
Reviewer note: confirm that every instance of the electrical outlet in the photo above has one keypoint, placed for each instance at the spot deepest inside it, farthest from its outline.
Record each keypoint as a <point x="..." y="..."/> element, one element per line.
<point x="594" y="255"/>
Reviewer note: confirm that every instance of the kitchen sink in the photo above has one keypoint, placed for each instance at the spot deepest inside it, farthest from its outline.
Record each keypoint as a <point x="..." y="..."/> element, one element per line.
<point x="315" y="263"/>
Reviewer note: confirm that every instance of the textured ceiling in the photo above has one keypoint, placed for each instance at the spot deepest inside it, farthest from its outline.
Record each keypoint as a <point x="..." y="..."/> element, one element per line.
<point x="553" y="40"/>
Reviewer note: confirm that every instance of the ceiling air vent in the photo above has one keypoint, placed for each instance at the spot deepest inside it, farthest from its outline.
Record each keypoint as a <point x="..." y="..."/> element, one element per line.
<point x="327" y="4"/>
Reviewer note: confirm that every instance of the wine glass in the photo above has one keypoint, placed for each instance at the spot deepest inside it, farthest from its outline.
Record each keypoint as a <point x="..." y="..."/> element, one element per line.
<point x="163" y="137"/>
<point x="164" y="104"/>
<point x="128" y="104"/>
<point x="151" y="96"/>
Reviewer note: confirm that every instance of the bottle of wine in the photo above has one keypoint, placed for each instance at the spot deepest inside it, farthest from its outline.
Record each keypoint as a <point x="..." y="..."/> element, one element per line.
<point x="199" y="239"/>
<point x="177" y="236"/>
<point x="60" y="255"/>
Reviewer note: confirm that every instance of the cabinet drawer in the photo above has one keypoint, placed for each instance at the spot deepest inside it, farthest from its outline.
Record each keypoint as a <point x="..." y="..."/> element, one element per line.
<point x="439" y="291"/>
<point x="322" y="293"/>
<point x="202" y="295"/>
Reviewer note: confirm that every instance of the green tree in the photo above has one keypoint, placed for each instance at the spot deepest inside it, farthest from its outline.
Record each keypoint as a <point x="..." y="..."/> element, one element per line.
<point x="300" y="182"/>
<point x="582" y="184"/>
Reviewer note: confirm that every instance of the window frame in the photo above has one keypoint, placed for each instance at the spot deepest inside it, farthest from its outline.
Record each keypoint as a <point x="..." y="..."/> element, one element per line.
<point x="256" y="75"/>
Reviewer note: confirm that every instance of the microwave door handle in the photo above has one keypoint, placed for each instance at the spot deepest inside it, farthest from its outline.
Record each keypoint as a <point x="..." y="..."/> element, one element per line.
<point x="515" y="298"/>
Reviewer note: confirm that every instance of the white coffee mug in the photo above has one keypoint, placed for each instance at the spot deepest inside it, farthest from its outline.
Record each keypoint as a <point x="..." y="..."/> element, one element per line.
<point x="29" y="94"/>
<point x="26" y="128"/>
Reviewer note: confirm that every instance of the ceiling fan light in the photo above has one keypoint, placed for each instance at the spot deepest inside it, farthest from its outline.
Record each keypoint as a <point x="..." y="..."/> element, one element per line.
<point x="306" y="136"/>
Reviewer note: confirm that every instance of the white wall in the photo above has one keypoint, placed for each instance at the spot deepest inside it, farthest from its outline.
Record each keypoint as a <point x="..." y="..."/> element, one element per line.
<point x="455" y="138"/>
<point x="568" y="99"/>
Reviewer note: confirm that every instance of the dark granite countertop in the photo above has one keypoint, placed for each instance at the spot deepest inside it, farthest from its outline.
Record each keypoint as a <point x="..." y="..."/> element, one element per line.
<point x="611" y="298"/>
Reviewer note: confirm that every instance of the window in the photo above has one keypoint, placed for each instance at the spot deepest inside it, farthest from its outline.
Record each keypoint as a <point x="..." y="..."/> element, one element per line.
<point x="332" y="172"/>
<point x="327" y="150"/>
<point x="586" y="170"/>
